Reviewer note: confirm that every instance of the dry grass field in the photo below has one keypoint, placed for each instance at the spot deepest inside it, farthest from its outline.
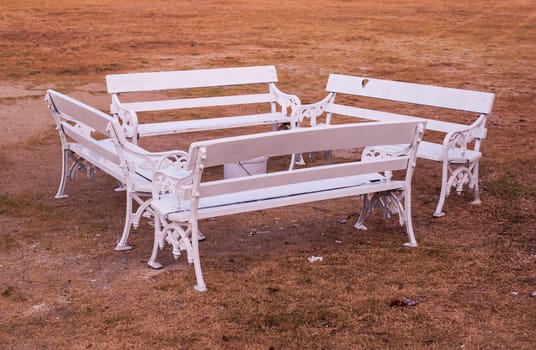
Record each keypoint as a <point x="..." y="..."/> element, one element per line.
<point x="62" y="285"/>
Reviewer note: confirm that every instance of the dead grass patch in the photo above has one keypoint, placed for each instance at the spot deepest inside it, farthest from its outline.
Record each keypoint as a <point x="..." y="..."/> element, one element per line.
<point x="63" y="286"/>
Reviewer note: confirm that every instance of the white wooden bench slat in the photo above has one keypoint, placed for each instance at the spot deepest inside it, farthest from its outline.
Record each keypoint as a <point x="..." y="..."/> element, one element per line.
<point x="240" y="196"/>
<point x="433" y="151"/>
<point x="100" y="148"/>
<point x="466" y="100"/>
<point x="187" y="79"/>
<point x="162" y="105"/>
<point x="82" y="114"/>
<point x="162" y="128"/>
<point x="352" y="111"/>
<point x="142" y="182"/>
<point x="334" y="171"/>
<point x="96" y="157"/>
<point x="431" y="124"/>
<point x="280" y="196"/>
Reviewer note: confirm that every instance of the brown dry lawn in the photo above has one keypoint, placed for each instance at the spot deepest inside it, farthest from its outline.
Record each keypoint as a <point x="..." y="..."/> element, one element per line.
<point x="62" y="286"/>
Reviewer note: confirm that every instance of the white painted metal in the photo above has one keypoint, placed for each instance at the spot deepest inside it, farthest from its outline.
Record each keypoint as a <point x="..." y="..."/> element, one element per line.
<point x="94" y="140"/>
<point x="180" y="201"/>
<point x="279" y="103"/>
<point x="459" y="152"/>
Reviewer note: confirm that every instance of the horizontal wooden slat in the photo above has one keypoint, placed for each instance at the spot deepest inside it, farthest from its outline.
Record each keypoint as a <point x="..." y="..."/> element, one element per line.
<point x="298" y="176"/>
<point x="103" y="148"/>
<point x="163" y="128"/>
<point x="73" y="110"/>
<point x="431" y="124"/>
<point x="275" y="197"/>
<point x="162" y="105"/>
<point x="185" y="79"/>
<point x="460" y="99"/>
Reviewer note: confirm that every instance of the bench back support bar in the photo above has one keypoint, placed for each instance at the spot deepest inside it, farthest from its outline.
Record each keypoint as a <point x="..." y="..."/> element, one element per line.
<point x="436" y="96"/>
<point x="187" y="79"/>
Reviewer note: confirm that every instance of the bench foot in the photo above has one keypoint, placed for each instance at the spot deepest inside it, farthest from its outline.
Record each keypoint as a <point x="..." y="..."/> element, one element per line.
<point x="59" y="196"/>
<point x="438" y="215"/>
<point x="200" y="288"/>
<point x="476" y="202"/>
<point x="360" y="227"/>
<point x="155" y="265"/>
<point x="120" y="248"/>
<point x="411" y="245"/>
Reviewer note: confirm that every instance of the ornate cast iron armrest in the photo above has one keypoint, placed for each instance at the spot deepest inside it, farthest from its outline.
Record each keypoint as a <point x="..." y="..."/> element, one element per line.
<point x="180" y="178"/>
<point x="127" y="118"/>
<point x="285" y="100"/>
<point x="311" y="111"/>
<point x="158" y="160"/>
<point x="147" y="164"/>
<point x="176" y="182"/>
<point x="462" y="138"/>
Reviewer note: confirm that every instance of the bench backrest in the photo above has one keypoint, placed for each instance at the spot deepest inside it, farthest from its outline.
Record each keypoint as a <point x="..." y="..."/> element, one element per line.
<point x="189" y="79"/>
<point x="427" y="95"/>
<point x="82" y="124"/>
<point x="302" y="140"/>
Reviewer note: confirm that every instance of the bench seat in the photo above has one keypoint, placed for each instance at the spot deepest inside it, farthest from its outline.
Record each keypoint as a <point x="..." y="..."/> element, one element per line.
<point x="272" y="197"/>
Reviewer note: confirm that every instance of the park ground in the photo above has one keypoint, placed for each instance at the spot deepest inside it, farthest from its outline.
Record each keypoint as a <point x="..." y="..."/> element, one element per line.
<point x="62" y="285"/>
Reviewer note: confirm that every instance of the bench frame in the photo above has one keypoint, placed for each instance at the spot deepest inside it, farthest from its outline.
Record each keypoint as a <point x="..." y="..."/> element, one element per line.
<point x="92" y="140"/>
<point x="120" y="85"/>
<point x="179" y="202"/>
<point x="459" y="152"/>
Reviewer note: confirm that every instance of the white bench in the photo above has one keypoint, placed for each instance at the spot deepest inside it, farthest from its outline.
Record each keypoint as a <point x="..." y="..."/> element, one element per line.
<point x="179" y="202"/>
<point x="459" y="149"/>
<point x="91" y="141"/>
<point x="199" y="89"/>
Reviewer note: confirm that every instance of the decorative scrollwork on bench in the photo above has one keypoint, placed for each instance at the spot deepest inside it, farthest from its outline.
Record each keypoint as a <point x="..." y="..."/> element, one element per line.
<point x="460" y="176"/>
<point x="81" y="165"/>
<point x="311" y="112"/>
<point x="388" y="202"/>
